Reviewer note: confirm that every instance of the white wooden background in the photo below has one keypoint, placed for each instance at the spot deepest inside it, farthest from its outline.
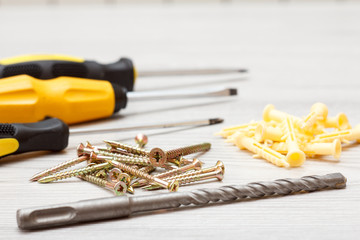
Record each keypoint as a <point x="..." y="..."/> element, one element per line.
<point x="298" y="54"/>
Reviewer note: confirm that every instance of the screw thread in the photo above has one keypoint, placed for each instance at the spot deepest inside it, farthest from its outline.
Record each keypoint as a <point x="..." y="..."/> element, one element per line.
<point x="132" y="160"/>
<point x="74" y="173"/>
<point x="128" y="148"/>
<point x="190" y="178"/>
<point x="133" y="171"/>
<point x="147" y="169"/>
<point x="143" y="175"/>
<point x="179" y="170"/>
<point x="188" y="150"/>
<point x="59" y="167"/>
<point x="96" y="180"/>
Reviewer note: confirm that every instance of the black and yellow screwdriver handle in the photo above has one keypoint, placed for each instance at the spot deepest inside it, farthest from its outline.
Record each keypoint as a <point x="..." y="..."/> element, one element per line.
<point x="51" y="66"/>
<point x="48" y="135"/>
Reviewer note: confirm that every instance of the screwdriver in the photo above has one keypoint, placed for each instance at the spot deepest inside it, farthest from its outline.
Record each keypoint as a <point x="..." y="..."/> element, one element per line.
<point x="121" y="72"/>
<point x="52" y="134"/>
<point x="24" y="99"/>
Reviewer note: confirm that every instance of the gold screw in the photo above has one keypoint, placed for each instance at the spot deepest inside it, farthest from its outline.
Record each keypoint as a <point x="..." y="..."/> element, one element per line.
<point x="196" y="164"/>
<point x="171" y="186"/>
<point x="118" y="188"/>
<point x="128" y="148"/>
<point x="115" y="175"/>
<point x="58" y="168"/>
<point x="192" y="177"/>
<point x="141" y="140"/>
<point x="121" y="158"/>
<point x="105" y="149"/>
<point x="73" y="173"/>
<point x="159" y="157"/>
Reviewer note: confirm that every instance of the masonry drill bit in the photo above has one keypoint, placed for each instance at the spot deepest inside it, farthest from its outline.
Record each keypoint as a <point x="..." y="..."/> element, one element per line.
<point x="116" y="207"/>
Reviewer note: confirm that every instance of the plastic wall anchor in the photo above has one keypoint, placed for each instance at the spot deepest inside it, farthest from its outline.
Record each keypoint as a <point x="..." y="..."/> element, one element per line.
<point x="311" y="149"/>
<point x="264" y="132"/>
<point x="226" y="132"/>
<point x="318" y="111"/>
<point x="265" y="152"/>
<point x="340" y="122"/>
<point x="272" y="114"/>
<point x="333" y="148"/>
<point x="344" y="135"/>
<point x="295" y="157"/>
<point x="232" y="138"/>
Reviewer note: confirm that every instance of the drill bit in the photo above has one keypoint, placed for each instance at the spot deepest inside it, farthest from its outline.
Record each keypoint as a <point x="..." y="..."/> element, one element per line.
<point x="116" y="207"/>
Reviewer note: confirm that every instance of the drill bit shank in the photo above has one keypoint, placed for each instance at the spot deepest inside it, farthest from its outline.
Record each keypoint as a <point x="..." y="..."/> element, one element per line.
<point x="116" y="207"/>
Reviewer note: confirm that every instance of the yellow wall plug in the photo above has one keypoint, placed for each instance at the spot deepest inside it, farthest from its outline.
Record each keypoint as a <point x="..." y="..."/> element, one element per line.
<point x="225" y="132"/>
<point x="312" y="149"/>
<point x="318" y="111"/>
<point x="344" y="135"/>
<point x="295" y="157"/>
<point x="333" y="148"/>
<point x="247" y="132"/>
<point x="340" y="122"/>
<point x="265" y="152"/>
<point x="272" y="114"/>
<point x="265" y="132"/>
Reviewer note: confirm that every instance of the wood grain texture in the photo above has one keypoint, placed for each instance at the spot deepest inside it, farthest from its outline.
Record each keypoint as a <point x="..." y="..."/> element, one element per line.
<point x="297" y="54"/>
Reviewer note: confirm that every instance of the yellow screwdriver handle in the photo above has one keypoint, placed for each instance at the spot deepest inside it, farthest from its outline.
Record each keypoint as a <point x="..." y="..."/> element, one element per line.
<point x="24" y="99"/>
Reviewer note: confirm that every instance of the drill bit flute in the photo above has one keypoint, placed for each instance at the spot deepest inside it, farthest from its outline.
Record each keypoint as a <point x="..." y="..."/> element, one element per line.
<point x="116" y="207"/>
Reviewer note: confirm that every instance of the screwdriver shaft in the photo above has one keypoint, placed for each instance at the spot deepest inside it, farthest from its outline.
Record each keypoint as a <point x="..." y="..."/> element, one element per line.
<point x="183" y="93"/>
<point x="108" y="208"/>
<point x="164" y="125"/>
<point x="195" y="71"/>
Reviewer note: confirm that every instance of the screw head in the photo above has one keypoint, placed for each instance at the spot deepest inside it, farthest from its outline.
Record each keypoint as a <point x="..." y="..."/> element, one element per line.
<point x="120" y="188"/>
<point x="80" y="150"/>
<point x="219" y="174"/>
<point x="157" y="157"/>
<point x="88" y="145"/>
<point x="173" y="186"/>
<point x="141" y="140"/>
<point x="124" y="177"/>
<point x="220" y="164"/>
<point x="197" y="164"/>
<point x="113" y="175"/>
<point x="101" y="174"/>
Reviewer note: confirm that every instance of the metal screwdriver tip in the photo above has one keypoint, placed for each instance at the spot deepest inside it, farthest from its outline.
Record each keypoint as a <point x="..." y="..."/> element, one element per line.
<point x="232" y="91"/>
<point x="215" y="121"/>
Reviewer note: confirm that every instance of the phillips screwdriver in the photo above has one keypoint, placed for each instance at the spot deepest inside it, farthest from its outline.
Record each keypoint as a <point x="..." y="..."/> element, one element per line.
<point x="121" y="72"/>
<point x="52" y="134"/>
<point x="24" y="99"/>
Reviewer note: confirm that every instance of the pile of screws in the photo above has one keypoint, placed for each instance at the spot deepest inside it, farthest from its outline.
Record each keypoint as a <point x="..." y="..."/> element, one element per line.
<point x="121" y="167"/>
<point x="287" y="140"/>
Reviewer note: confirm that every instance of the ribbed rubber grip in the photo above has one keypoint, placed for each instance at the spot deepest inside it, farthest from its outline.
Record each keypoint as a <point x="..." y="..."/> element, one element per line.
<point x="120" y="72"/>
<point x="50" y="134"/>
